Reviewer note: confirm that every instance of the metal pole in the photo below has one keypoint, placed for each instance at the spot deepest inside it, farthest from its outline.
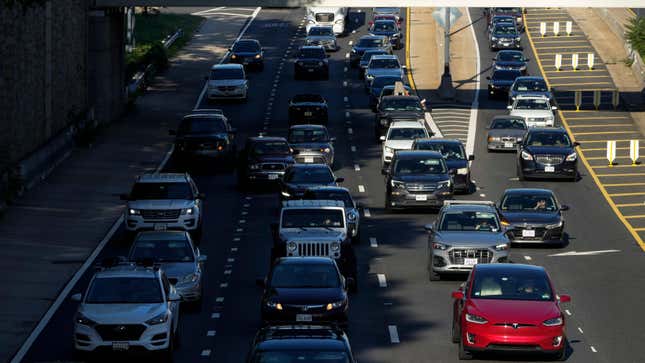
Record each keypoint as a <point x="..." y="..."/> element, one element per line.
<point x="446" y="32"/>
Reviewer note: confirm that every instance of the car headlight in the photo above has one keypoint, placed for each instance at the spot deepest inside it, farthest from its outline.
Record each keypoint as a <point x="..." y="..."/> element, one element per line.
<point x="494" y="138"/>
<point x="502" y="247"/>
<point x="526" y="156"/>
<point x="397" y="184"/>
<point x="498" y="67"/>
<point x="83" y="320"/>
<point x="439" y="246"/>
<point x="335" y="246"/>
<point x="553" y="322"/>
<point x="258" y="56"/>
<point x="320" y="64"/>
<point x="189" y="278"/>
<point x="472" y="318"/>
<point x="254" y="166"/>
<point x="549" y="121"/>
<point x="325" y="150"/>
<point x="188" y="211"/>
<point x="339" y="21"/>
<point x="274" y="305"/>
<point x="573" y="156"/>
<point x="353" y="50"/>
<point x="389" y="150"/>
<point x="369" y="77"/>
<point x="291" y="246"/>
<point x="285" y="194"/>
<point x="493" y="38"/>
<point x="300" y="64"/>
<point x="518" y="39"/>
<point x="554" y="225"/>
<point x="395" y="35"/>
<point x="444" y="184"/>
<point x="351" y="216"/>
<point x="159" y="319"/>
<point x="233" y="56"/>
<point x="462" y="171"/>
<point x="311" y="21"/>
<point x="384" y="121"/>
<point x="336" y="304"/>
<point x="522" y="68"/>
<point x="134" y="212"/>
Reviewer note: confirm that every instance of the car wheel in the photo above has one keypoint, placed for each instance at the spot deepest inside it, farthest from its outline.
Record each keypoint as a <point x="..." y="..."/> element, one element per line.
<point x="356" y="239"/>
<point x="261" y="67"/>
<point x="456" y="334"/>
<point x="463" y="353"/>
<point x="520" y="175"/>
<point x="432" y="274"/>
<point x="561" y="355"/>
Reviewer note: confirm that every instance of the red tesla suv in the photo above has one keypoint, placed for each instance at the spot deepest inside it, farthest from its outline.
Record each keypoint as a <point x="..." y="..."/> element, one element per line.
<point x="508" y="307"/>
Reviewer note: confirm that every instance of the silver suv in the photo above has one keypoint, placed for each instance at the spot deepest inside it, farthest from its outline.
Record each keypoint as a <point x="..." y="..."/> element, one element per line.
<point x="464" y="234"/>
<point x="161" y="201"/>
<point x="125" y="307"/>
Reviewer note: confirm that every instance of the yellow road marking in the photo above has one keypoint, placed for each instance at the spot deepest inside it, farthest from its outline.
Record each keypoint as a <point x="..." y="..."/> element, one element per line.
<point x="579" y="70"/>
<point x="407" y="49"/>
<point x="600" y="125"/>
<point x="599" y="118"/>
<point x="626" y="194"/>
<point x="605" y="132"/>
<point x="624" y="184"/>
<point x="602" y="141"/>
<point x="618" y="166"/>
<point x="562" y="40"/>
<point x="639" y="229"/>
<point x="592" y="172"/>
<point x="605" y="149"/>
<point x="578" y="77"/>
<point x="579" y="84"/>
<point x="635" y="216"/>
<point x="621" y="174"/>
<point x="570" y="46"/>
<point x="605" y="158"/>
<point x="625" y="205"/>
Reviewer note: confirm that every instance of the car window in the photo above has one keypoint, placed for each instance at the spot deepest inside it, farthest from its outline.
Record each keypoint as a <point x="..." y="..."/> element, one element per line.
<point x="143" y="191"/>
<point x="369" y="54"/>
<point x="202" y="125"/>
<point x="316" y="53"/>
<point x="449" y="150"/>
<point x="401" y="104"/>
<point x="309" y="175"/>
<point x="300" y="356"/>
<point x="162" y="251"/>
<point x="310" y="275"/>
<point x="247" y="46"/>
<point x="507" y="10"/>
<point x="312" y="218"/>
<point x="384" y="63"/>
<point x="369" y="42"/>
<point x="271" y="148"/>
<point x="342" y="196"/>
<point x="406" y="133"/>
<point x="504" y="29"/>
<point x="419" y="166"/>
<point x="510" y="57"/>
<point x="469" y="221"/>
<point x="298" y="136"/>
<point x="321" y="31"/>
<point x="124" y="290"/>
<point x="532" y="104"/>
<point x="380" y="82"/>
<point x="511" y="285"/>
<point x="528" y="203"/>
<point x="384" y="26"/>
<point x="227" y="73"/>
<point x="548" y="139"/>
<point x="517" y="124"/>
<point x="530" y="86"/>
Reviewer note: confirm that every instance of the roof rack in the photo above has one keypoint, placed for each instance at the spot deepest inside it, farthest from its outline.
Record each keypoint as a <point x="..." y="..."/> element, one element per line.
<point x="469" y="202"/>
<point x="312" y="203"/>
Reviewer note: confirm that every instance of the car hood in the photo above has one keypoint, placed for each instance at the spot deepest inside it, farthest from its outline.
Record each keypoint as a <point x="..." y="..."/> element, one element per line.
<point x="399" y="144"/>
<point x="421" y="178"/>
<point x="514" y="311"/>
<point x="195" y="137"/>
<point x="121" y="313"/>
<point x="506" y="132"/>
<point x="471" y="239"/>
<point x="320" y="38"/>
<point x="532" y="113"/>
<point x="388" y="33"/>
<point x="502" y="82"/>
<point x="390" y="72"/>
<point x="309" y="233"/>
<point x="514" y="64"/>
<point x="403" y="115"/>
<point x="545" y="93"/>
<point x="306" y="296"/>
<point x="549" y="150"/>
<point x="277" y="158"/>
<point x="521" y="217"/>
<point x="456" y="163"/>
<point x="226" y="82"/>
<point x="177" y="270"/>
<point x="161" y="204"/>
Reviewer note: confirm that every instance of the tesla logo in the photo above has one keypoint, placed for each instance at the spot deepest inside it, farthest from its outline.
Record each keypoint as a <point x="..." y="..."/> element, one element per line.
<point x="515" y="325"/>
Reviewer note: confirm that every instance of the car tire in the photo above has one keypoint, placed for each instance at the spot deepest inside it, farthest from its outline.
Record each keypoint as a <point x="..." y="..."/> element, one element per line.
<point x="432" y="275"/>
<point x="356" y="239"/>
<point x="387" y="205"/>
<point x="456" y="333"/>
<point x="261" y="67"/>
<point x="463" y="353"/>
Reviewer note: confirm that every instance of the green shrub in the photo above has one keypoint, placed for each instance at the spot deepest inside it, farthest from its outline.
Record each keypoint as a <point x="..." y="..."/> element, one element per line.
<point x="636" y="35"/>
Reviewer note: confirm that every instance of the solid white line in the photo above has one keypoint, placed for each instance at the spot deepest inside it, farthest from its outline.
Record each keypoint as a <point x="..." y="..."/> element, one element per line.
<point x="242" y="221"/>
<point x="382" y="281"/>
<point x="215" y="315"/>
<point x="165" y="159"/>
<point x="394" y="334"/>
<point x="373" y="242"/>
<point x="357" y="167"/>
<point x="344" y="83"/>
<point x="361" y="189"/>
<point x="433" y="127"/>
<point x="346" y="55"/>
<point x="210" y="333"/>
<point x="593" y="349"/>
<point x="580" y="330"/>
<point x="236" y="239"/>
<point x="206" y="353"/>
<point x="366" y="213"/>
<point x="208" y="10"/>
<point x="351" y="42"/>
<point x="528" y="258"/>
<point x="230" y="14"/>
<point x="470" y="141"/>
<point x="585" y="253"/>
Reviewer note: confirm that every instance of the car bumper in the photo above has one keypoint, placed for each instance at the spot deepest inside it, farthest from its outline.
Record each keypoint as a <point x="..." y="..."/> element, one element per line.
<point x="317" y="158"/>
<point x="532" y="169"/>
<point x="137" y="223"/>
<point x="545" y="123"/>
<point x="539" y="235"/>
<point x="213" y="93"/>
<point x="443" y="263"/>
<point x="408" y="200"/>
<point x="504" y="146"/>
<point x="190" y="291"/>
<point x="501" y="338"/>
<point x="498" y="91"/>
<point x="272" y="316"/>
<point x="264" y="176"/>
<point x="506" y="45"/>
<point x="310" y="71"/>
<point x="154" y="338"/>
<point x="246" y="61"/>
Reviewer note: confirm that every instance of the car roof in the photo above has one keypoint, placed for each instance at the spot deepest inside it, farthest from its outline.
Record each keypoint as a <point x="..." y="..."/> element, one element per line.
<point x="321" y="26"/>
<point x="308" y="127"/>
<point x="384" y="21"/>
<point x="385" y="56"/>
<point x="301" y="337"/>
<point x="528" y="190"/>
<point x="531" y="78"/>
<point x="509" y="51"/>
<point x="469" y="208"/>
<point x="377" y="51"/>
<point x="211" y="115"/>
<point x="128" y="270"/>
<point x="372" y="36"/>
<point x="266" y="138"/>
<point x="413" y="154"/>
<point x="507" y="117"/>
<point x="160" y="235"/>
<point x="438" y="140"/>
<point x="162" y="178"/>
<point x="552" y="130"/>
<point x="406" y="125"/>
<point x="227" y="66"/>
<point x="329" y="188"/>
<point x="531" y="96"/>
<point x="509" y="267"/>
<point x="503" y="16"/>
<point x="312" y="203"/>
<point x="516" y="71"/>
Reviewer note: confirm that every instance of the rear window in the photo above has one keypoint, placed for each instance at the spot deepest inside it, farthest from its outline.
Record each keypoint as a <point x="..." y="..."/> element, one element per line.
<point x="321" y="31"/>
<point x="370" y="42"/>
<point x="246" y="46"/>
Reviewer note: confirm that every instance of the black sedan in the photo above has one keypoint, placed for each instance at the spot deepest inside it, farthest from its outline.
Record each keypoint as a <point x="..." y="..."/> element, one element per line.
<point x="263" y="159"/>
<point x="504" y="36"/>
<point x="532" y="216"/>
<point x="301" y="343"/>
<point x="547" y="153"/>
<point x="206" y="135"/>
<point x="311" y="61"/>
<point x="501" y="81"/>
<point x="299" y="177"/>
<point x="305" y="290"/>
<point x="308" y="109"/>
<point x="510" y="59"/>
<point x="247" y="52"/>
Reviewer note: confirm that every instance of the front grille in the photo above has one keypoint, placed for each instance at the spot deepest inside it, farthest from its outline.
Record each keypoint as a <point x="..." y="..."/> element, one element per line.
<point x="226" y="88"/>
<point x="320" y="249"/>
<point x="160" y="213"/>
<point x="549" y="159"/>
<point x="458" y="255"/>
<point x="515" y="325"/>
<point x="419" y="187"/>
<point x="325" y="17"/>
<point x="306" y="159"/>
<point x="273" y="166"/>
<point x="308" y="309"/>
<point x="116" y="332"/>
<point x="513" y="347"/>
<point x="509" y="139"/>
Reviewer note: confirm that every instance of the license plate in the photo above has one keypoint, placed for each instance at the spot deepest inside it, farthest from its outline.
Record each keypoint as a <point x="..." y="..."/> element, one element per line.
<point x="549" y="169"/>
<point x="421" y="198"/>
<point x="246" y="63"/>
<point x="308" y="113"/>
<point x="470" y="261"/>
<point x="310" y="70"/>
<point x="273" y="176"/>
<point x="506" y="44"/>
<point x="160" y="226"/>
<point x="508" y="144"/>
<point x="528" y="233"/>
<point x="303" y="317"/>
<point x="309" y="159"/>
<point x="120" y="346"/>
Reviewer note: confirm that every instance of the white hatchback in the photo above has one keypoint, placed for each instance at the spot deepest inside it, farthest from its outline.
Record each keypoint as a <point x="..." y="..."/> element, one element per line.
<point x="400" y="136"/>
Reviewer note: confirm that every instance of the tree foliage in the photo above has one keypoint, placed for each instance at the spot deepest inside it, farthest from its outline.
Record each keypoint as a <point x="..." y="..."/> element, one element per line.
<point x="636" y="34"/>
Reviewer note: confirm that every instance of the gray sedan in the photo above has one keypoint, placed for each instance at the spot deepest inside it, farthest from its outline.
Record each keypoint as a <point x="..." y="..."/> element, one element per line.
<point x="505" y="132"/>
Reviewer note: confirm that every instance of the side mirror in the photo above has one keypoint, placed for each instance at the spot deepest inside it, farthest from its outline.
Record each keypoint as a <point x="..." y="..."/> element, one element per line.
<point x="382" y="138"/>
<point x="350" y="284"/>
<point x="564" y="207"/>
<point x="76" y="297"/>
<point x="124" y="196"/>
<point x="332" y="139"/>
<point x="564" y="298"/>
<point x="488" y="77"/>
<point x="471" y="157"/>
<point x="457" y="295"/>
<point x="429" y="227"/>
<point x="202" y="258"/>
<point x="172" y="132"/>
<point x="554" y="108"/>
<point x="260" y="282"/>
<point x="340" y="180"/>
<point x="385" y="171"/>
<point x="201" y="196"/>
<point x="576" y="144"/>
<point x="174" y="296"/>
<point x="509" y="107"/>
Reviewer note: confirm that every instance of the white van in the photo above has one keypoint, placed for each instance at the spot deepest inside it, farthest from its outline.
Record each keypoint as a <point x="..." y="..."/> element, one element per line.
<point x="327" y="16"/>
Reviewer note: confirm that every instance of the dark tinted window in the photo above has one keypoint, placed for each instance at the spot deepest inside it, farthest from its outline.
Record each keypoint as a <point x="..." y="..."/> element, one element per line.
<point x="384" y="26"/>
<point x="340" y="195"/>
<point x="419" y="166"/>
<point x="142" y="191"/>
<point x="505" y="29"/>
<point x="469" y="221"/>
<point x="507" y="10"/>
<point x="305" y="275"/>
<point x="162" y="251"/>
<point x="300" y="356"/>
<point x="400" y="104"/>
<point x="312" y="218"/>
<point x="317" y="53"/>
<point x="511" y="285"/>
<point x="124" y="290"/>
<point x="548" y="139"/>
<point x="384" y="63"/>
<point x="202" y="125"/>
<point x="525" y="85"/>
<point x="309" y="175"/>
<point x="506" y="75"/>
<point x="532" y="104"/>
<point x="449" y="150"/>
<point x="297" y="136"/>
<point x="321" y="31"/>
<point x="369" y="43"/>
<point x="517" y="124"/>
<point x="271" y="148"/>
<point x="246" y="46"/>
<point x="510" y="57"/>
<point x="528" y="202"/>
<point x="227" y="73"/>
<point x="407" y="133"/>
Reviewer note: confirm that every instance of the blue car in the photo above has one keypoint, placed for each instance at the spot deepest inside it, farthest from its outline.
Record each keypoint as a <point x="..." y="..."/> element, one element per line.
<point x="367" y="42"/>
<point x="456" y="160"/>
<point x="500" y="82"/>
<point x="388" y="28"/>
<point x="376" y="86"/>
<point x="510" y="60"/>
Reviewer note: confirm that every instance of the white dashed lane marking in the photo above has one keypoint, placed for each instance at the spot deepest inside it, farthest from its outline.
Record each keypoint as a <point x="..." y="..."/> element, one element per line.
<point x="350" y="131"/>
<point x="210" y="333"/>
<point x="528" y="258"/>
<point x="223" y="285"/>
<point x="206" y="353"/>
<point x="361" y="189"/>
<point x="215" y="315"/>
<point x="593" y="349"/>
<point x="373" y="242"/>
<point x="357" y="167"/>
<point x="382" y="281"/>
<point x="366" y="213"/>
<point x="568" y="312"/>
<point x="353" y="148"/>
<point x="394" y="334"/>
<point x="219" y="299"/>
<point x="580" y="330"/>
<point x="227" y="272"/>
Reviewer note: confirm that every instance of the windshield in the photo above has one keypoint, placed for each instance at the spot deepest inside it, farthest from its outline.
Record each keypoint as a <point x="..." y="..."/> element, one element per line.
<point x="312" y="218"/>
<point x="532" y="104"/>
<point x="507" y="10"/>
<point x="385" y="63"/>
<point x="389" y="91"/>
<point x="309" y="176"/>
<point x="271" y="148"/>
<point x="316" y="53"/>
<point x="246" y="46"/>
<point x="386" y="10"/>
<point x="506" y="75"/>
<point x="504" y="29"/>
<point x="516" y="123"/>
<point x="162" y="251"/>
<point x="449" y="150"/>
<point x="227" y="73"/>
<point x="342" y="196"/>
<point x="303" y="136"/>
<point x="300" y="356"/>
<point x="469" y="221"/>
<point x="293" y="275"/>
<point x="380" y="82"/>
<point x="530" y="85"/>
<point x="510" y="57"/>
<point x="369" y="54"/>
<point x="124" y="290"/>
<point x="384" y="26"/>
<point x="321" y="31"/>
<point x="369" y="43"/>
<point x="511" y="285"/>
<point x="202" y="125"/>
<point x="419" y="166"/>
<point x="142" y="191"/>
<point x="548" y="139"/>
<point x="401" y="104"/>
<point x="406" y="133"/>
<point x="529" y="203"/>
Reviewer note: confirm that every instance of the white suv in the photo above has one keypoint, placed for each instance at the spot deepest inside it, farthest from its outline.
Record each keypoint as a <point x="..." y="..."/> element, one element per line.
<point x="536" y="110"/>
<point x="161" y="201"/>
<point x="227" y="81"/>
<point x="125" y="307"/>
<point x="400" y="136"/>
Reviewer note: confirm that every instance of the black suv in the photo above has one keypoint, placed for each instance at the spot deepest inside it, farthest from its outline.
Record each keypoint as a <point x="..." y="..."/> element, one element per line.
<point x="247" y="52"/>
<point x="311" y="144"/>
<point x="456" y="159"/>
<point x="301" y="343"/>
<point x="500" y="82"/>
<point x="305" y="290"/>
<point x="417" y="179"/>
<point x="205" y="135"/>
<point x="547" y="153"/>
<point x="308" y="108"/>
<point x="397" y="108"/>
<point x="311" y="61"/>
<point x="263" y="159"/>
<point x="368" y="42"/>
<point x="299" y="177"/>
<point x="504" y="36"/>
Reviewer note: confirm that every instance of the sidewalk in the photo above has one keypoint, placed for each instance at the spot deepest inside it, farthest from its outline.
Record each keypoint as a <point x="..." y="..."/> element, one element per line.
<point x="48" y="234"/>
